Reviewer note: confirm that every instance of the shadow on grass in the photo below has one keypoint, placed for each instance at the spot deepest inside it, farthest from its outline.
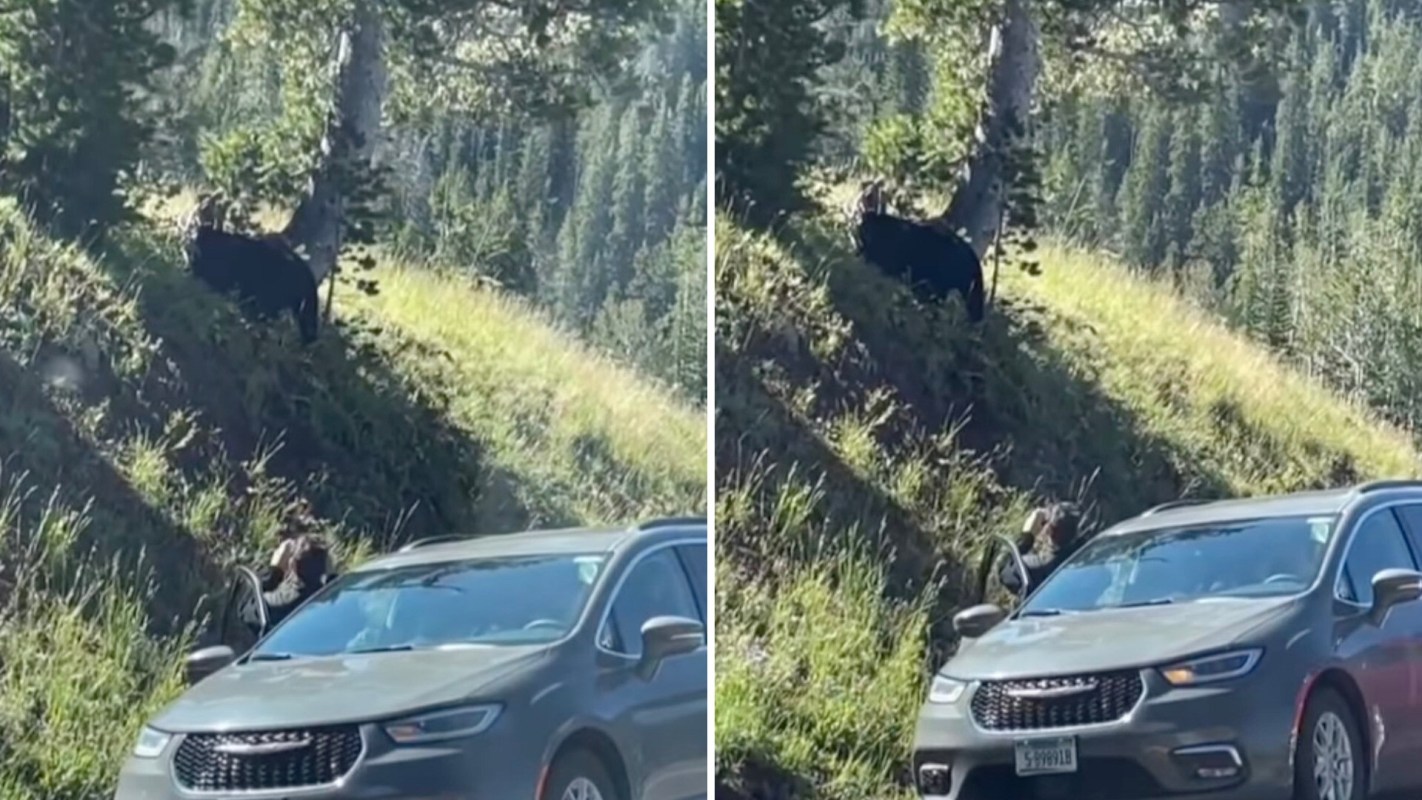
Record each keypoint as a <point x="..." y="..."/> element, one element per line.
<point x="365" y="445"/>
<point x="1002" y="387"/>
<point x="755" y="779"/>
<point x="1061" y="435"/>
<point x="757" y="434"/>
<point x="753" y="423"/>
<point x="124" y="528"/>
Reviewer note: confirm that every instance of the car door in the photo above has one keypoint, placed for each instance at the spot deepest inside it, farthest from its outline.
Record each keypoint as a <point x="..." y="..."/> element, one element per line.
<point x="1001" y="557"/>
<point x="654" y="716"/>
<point x="1410" y="516"/>
<point x="1386" y="660"/>
<point x="244" y="615"/>
<point x="693" y="559"/>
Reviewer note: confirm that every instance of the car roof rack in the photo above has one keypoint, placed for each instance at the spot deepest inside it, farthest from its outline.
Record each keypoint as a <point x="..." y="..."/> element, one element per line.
<point x="654" y="524"/>
<point x="1195" y="501"/>
<point x="1387" y="483"/>
<point x="670" y="522"/>
<point x="432" y="540"/>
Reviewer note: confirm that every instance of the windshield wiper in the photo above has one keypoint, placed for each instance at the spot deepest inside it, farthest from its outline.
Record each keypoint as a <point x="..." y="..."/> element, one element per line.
<point x="270" y="657"/>
<point x="388" y="648"/>
<point x="1159" y="601"/>
<point x="1042" y="612"/>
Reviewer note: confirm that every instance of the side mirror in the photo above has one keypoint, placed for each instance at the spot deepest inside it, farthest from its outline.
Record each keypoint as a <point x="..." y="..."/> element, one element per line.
<point x="664" y="637"/>
<point x="204" y="662"/>
<point x="970" y="623"/>
<point x="1392" y="587"/>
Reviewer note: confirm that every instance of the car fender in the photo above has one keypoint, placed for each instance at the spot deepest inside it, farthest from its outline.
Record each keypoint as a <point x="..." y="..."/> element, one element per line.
<point x="581" y="724"/>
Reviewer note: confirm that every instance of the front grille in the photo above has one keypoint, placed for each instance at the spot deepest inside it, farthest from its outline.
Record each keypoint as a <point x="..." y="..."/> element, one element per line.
<point x="1105" y="697"/>
<point x="224" y="762"/>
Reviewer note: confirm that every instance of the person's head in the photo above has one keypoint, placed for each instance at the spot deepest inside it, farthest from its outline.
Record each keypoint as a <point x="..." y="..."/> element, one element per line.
<point x="309" y="558"/>
<point x="1061" y="523"/>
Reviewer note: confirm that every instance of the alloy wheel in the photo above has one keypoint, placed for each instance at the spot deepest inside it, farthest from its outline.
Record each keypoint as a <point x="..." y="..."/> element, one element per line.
<point x="1332" y="758"/>
<point x="581" y="789"/>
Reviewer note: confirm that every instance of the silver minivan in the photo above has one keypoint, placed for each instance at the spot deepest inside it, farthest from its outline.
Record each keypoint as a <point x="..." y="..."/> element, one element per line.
<point x="557" y="665"/>
<point x="1259" y="649"/>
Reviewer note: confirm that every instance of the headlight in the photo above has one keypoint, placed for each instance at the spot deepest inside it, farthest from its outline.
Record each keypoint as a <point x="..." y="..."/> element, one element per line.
<point x="1208" y="669"/>
<point x="437" y="726"/>
<point x="151" y="743"/>
<point x="945" y="690"/>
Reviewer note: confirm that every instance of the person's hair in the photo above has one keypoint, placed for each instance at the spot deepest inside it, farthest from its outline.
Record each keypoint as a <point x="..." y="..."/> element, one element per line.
<point x="310" y="559"/>
<point x="1063" y="523"/>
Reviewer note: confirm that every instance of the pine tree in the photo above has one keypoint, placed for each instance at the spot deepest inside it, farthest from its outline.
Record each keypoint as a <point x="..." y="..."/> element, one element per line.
<point x="1290" y="172"/>
<point x="663" y="175"/>
<point x="581" y="285"/>
<point x="1184" y="196"/>
<point x="1219" y="143"/>
<point x="628" y="202"/>
<point x="691" y="110"/>
<point x="1143" y="193"/>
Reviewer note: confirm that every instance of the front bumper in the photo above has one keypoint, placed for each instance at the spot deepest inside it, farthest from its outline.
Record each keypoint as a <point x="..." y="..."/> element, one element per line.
<point x="474" y="768"/>
<point x="1136" y="758"/>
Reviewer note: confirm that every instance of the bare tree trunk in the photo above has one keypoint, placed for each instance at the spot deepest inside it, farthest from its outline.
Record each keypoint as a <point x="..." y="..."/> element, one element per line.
<point x="1015" y="63"/>
<point x="349" y="141"/>
<point x="997" y="254"/>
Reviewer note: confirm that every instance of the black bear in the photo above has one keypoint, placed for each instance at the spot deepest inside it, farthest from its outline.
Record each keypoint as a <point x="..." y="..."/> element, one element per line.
<point x="933" y="262"/>
<point x="266" y="274"/>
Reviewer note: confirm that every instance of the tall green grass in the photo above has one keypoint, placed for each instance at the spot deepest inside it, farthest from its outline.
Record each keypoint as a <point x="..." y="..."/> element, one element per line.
<point x="564" y="421"/>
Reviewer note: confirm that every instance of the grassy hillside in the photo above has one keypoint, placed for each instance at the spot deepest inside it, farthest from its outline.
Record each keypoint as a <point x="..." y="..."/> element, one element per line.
<point x="149" y="440"/>
<point x="865" y="444"/>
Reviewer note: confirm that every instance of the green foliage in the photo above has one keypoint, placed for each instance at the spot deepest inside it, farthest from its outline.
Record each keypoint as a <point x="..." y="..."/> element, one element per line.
<point x="829" y="708"/>
<point x="598" y="226"/>
<point x="255" y="165"/>
<point x="901" y="148"/>
<point x="1143" y="194"/>
<point x="568" y="210"/>
<point x="488" y="59"/>
<point x="72" y="124"/>
<point x="1292" y="192"/>
<point x="659" y="321"/>
<point x="480" y="233"/>
<point x="768" y="53"/>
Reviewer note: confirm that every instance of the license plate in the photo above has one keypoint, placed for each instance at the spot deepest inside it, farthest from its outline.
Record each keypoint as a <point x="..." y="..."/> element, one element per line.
<point x="1046" y="756"/>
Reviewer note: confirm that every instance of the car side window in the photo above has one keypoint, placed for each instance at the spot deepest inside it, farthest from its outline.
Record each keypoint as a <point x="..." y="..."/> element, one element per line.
<point x="656" y="586"/>
<point x="693" y="557"/>
<point x="1412" y="521"/>
<point x="1378" y="544"/>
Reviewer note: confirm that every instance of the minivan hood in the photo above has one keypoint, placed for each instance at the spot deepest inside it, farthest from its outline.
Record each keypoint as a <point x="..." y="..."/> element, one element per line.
<point x="336" y="689"/>
<point x="1110" y="639"/>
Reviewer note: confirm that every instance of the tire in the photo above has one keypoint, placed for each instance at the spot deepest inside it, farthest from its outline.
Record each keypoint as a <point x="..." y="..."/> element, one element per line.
<point x="1331" y="762"/>
<point x="579" y="775"/>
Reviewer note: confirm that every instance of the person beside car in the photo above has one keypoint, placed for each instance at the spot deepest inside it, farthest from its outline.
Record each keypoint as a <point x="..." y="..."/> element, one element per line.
<point x="299" y="567"/>
<point x="1049" y="537"/>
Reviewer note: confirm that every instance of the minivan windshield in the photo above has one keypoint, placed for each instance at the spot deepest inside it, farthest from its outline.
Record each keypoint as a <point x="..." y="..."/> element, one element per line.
<point x="1246" y="558"/>
<point x="490" y="601"/>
